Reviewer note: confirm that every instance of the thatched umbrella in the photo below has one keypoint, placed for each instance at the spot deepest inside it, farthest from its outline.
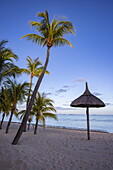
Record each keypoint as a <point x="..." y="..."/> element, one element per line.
<point x="87" y="100"/>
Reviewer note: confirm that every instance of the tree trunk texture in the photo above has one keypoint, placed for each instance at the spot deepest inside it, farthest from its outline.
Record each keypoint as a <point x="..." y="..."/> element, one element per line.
<point x="9" y="122"/>
<point x="36" y="125"/>
<point x="25" y="118"/>
<point x="25" y="126"/>
<point x="28" y="99"/>
<point x="28" y="126"/>
<point x="2" y="120"/>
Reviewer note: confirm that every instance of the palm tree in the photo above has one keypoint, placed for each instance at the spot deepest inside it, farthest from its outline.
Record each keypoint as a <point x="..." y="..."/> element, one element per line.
<point x="51" y="34"/>
<point x="33" y="69"/>
<point x="42" y="108"/>
<point x="7" y="67"/>
<point x="6" y="55"/>
<point x="17" y="93"/>
<point x="29" y="121"/>
<point x="5" y="105"/>
<point x="22" y="112"/>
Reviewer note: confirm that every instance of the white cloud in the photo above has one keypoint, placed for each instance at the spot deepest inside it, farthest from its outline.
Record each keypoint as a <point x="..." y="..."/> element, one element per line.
<point x="48" y="93"/>
<point x="97" y="94"/>
<point x="80" y="80"/>
<point x="60" y="91"/>
<point x="108" y="104"/>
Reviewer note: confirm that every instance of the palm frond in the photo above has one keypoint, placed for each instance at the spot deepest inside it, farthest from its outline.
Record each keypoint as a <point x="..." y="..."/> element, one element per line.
<point x="45" y="17"/>
<point x="35" y="38"/>
<point x="49" y="109"/>
<point x="10" y="71"/>
<point x="61" y="42"/>
<point x="35" y="24"/>
<point x="52" y="32"/>
<point x="50" y="115"/>
<point x="26" y="71"/>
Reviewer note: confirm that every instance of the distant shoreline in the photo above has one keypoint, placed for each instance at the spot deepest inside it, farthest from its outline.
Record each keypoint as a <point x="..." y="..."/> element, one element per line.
<point x="62" y="127"/>
<point x="98" y="123"/>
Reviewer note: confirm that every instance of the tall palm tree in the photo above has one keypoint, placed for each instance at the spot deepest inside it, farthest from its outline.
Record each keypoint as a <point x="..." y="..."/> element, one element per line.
<point x="17" y="93"/>
<point x="6" y="55"/>
<point x="34" y="68"/>
<point x="5" y="105"/>
<point x="7" y="67"/>
<point x="42" y="108"/>
<point x="50" y="34"/>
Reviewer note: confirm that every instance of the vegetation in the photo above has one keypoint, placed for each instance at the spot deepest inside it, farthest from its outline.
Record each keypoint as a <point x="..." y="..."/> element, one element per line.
<point x="29" y="121"/>
<point x="7" y="70"/>
<point x="7" y="66"/>
<point x="17" y="93"/>
<point x="5" y="105"/>
<point x="34" y="68"/>
<point x="50" y="34"/>
<point x="12" y="92"/>
<point x="42" y="108"/>
<point x="30" y="118"/>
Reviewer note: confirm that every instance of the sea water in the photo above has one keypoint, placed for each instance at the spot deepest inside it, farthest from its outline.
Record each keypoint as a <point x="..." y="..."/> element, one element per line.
<point x="102" y="123"/>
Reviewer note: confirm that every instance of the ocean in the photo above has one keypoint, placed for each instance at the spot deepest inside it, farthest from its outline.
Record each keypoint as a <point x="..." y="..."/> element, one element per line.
<point x="103" y="123"/>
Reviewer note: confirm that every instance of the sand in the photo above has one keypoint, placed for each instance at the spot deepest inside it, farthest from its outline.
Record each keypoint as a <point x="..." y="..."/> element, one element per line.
<point x="56" y="149"/>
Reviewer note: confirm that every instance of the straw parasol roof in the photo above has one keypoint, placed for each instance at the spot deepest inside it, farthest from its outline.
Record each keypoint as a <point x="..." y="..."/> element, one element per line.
<point x="87" y="100"/>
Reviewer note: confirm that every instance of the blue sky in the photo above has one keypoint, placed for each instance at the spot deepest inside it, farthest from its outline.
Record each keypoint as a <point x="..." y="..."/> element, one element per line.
<point x="90" y="60"/>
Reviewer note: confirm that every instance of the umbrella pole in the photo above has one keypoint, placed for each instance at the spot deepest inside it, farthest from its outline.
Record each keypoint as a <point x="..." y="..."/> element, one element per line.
<point x="87" y="113"/>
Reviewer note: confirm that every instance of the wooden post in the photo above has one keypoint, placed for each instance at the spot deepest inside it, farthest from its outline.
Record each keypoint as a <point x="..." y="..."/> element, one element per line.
<point x="87" y="113"/>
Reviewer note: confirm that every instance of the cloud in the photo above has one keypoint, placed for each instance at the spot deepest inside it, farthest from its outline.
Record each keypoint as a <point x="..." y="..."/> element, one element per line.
<point x="48" y="93"/>
<point x="64" y="89"/>
<point x="80" y="80"/>
<point x="108" y="104"/>
<point x="69" y="87"/>
<point x="66" y="86"/>
<point x="64" y="108"/>
<point x="97" y="94"/>
<point x="60" y="91"/>
<point x="65" y="104"/>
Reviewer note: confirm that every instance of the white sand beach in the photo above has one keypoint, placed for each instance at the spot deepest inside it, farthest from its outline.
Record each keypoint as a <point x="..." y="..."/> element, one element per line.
<point x="56" y="149"/>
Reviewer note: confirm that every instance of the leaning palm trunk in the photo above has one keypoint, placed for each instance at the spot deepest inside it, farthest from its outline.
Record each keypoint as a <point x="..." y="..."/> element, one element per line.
<point x="2" y="120"/>
<point x="10" y="119"/>
<point x="28" y="99"/>
<point x="25" y="118"/>
<point x="36" y="125"/>
<point x="24" y="130"/>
